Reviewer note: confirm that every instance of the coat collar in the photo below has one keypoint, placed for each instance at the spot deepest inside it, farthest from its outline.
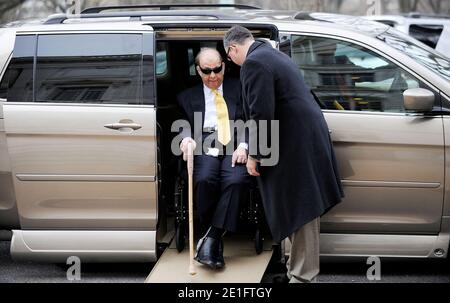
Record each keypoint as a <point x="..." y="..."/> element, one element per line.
<point x="227" y="92"/>
<point x="198" y="102"/>
<point x="254" y="46"/>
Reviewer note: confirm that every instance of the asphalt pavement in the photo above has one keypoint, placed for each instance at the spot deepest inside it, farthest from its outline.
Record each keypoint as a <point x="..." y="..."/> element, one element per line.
<point x="340" y="271"/>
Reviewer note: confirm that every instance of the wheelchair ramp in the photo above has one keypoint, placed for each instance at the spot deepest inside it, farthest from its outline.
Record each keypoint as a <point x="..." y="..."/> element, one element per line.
<point x="243" y="265"/>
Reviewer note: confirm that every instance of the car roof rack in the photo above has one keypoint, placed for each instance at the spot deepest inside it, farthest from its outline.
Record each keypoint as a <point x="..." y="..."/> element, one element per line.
<point x="95" y="12"/>
<point x="99" y="9"/>
<point x="135" y="16"/>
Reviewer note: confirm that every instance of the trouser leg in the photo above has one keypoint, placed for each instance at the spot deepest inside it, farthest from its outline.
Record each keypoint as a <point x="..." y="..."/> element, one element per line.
<point x="304" y="264"/>
<point x="227" y="193"/>
<point x="234" y="186"/>
<point x="207" y="187"/>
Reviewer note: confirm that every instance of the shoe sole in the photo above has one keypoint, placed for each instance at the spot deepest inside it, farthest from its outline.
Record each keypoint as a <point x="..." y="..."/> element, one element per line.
<point x="210" y="265"/>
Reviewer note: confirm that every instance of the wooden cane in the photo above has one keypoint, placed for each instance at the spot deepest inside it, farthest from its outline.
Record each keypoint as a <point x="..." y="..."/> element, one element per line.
<point x="190" y="165"/>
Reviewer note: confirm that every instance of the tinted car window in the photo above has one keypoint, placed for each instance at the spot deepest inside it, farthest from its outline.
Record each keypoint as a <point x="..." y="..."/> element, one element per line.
<point x="148" y="73"/>
<point x="428" y="34"/>
<point x="387" y="22"/>
<point x="346" y="76"/>
<point x="161" y="62"/>
<point x="89" y="68"/>
<point x="17" y="82"/>
<point x="426" y="56"/>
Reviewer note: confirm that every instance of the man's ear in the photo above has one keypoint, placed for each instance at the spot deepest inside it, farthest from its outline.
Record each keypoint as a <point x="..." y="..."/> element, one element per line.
<point x="197" y="68"/>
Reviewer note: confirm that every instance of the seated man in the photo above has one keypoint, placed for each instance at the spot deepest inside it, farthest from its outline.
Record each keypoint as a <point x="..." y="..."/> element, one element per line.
<point x="220" y="181"/>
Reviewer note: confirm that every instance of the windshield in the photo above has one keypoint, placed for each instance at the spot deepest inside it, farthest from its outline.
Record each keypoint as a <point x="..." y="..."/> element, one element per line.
<point x="425" y="55"/>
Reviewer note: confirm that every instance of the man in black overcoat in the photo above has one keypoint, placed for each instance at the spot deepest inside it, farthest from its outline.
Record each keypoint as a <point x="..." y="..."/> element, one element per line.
<point x="304" y="184"/>
<point x="221" y="180"/>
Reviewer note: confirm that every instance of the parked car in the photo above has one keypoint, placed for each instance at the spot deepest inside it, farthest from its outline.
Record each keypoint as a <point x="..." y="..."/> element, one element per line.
<point x="434" y="31"/>
<point x="87" y="103"/>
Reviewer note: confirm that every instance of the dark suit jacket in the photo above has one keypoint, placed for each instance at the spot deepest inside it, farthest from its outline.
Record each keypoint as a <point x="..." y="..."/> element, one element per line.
<point x="193" y="100"/>
<point x="305" y="182"/>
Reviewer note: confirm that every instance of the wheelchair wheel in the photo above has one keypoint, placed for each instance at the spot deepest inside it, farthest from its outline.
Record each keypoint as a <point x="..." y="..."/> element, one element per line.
<point x="180" y="214"/>
<point x="180" y="239"/>
<point x="259" y="241"/>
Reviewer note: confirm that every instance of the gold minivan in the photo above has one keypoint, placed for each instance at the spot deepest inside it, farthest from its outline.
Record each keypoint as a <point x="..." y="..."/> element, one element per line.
<point x="87" y="104"/>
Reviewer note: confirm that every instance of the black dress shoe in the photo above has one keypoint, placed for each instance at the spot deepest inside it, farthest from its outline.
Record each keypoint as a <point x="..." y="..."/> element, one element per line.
<point x="220" y="261"/>
<point x="208" y="252"/>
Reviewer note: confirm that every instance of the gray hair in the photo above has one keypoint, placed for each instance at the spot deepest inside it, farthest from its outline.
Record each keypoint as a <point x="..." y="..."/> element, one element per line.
<point x="236" y="34"/>
<point x="204" y="50"/>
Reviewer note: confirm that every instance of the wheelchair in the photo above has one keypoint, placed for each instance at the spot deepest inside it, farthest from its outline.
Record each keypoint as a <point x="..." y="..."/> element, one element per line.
<point x="251" y="215"/>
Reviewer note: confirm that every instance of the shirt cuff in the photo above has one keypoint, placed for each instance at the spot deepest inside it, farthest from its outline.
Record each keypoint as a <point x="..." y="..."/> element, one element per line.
<point x="243" y="145"/>
<point x="254" y="159"/>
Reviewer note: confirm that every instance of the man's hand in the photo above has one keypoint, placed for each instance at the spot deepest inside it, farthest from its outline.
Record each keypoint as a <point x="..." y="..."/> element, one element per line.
<point x="251" y="167"/>
<point x="239" y="156"/>
<point x="184" y="146"/>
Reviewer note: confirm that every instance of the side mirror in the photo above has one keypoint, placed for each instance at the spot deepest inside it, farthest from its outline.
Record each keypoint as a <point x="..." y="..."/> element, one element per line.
<point x="418" y="99"/>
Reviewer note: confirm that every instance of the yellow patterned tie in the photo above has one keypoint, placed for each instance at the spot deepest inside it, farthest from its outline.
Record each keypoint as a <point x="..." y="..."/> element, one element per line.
<point x="223" y="121"/>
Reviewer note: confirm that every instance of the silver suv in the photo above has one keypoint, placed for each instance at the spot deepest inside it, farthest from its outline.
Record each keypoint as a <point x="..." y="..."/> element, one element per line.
<point x="432" y="30"/>
<point x="87" y="104"/>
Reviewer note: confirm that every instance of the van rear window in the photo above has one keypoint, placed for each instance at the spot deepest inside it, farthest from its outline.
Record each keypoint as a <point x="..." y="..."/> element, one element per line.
<point x="81" y="68"/>
<point x="17" y="82"/>
<point x="89" y="68"/>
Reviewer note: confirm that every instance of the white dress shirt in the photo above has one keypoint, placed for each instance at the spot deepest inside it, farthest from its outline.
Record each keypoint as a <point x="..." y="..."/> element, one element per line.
<point x="210" y="106"/>
<point x="210" y="110"/>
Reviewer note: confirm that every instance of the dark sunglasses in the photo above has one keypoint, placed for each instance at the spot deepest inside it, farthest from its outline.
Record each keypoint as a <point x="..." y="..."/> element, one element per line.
<point x="208" y="71"/>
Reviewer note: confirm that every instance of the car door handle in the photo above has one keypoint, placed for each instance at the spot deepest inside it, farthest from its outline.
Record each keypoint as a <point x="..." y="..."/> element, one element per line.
<point x="123" y="126"/>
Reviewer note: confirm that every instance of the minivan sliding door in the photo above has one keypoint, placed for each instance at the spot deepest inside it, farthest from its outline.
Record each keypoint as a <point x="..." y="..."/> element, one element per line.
<point x="81" y="133"/>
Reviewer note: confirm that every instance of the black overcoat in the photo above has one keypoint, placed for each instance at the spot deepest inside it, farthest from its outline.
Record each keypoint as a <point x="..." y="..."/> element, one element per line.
<point x="305" y="182"/>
